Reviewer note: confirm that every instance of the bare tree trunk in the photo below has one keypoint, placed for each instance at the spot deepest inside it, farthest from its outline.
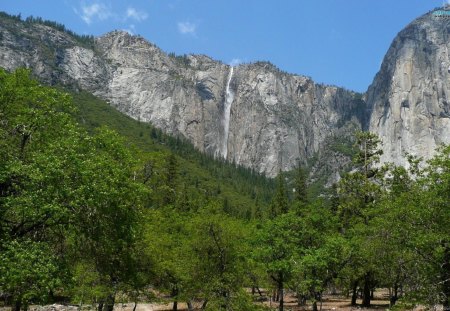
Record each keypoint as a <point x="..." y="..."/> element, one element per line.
<point x="175" y="298"/>
<point x="259" y="291"/>
<point x="354" y="293"/>
<point x="367" y="288"/>
<point x="17" y="305"/>
<point x="317" y="297"/>
<point x="301" y="299"/>
<point x="394" y="296"/>
<point x="281" y="292"/>
<point x="109" y="303"/>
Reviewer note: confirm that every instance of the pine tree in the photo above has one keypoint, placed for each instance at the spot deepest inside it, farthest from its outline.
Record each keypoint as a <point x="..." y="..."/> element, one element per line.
<point x="357" y="193"/>
<point x="279" y="204"/>
<point x="301" y="188"/>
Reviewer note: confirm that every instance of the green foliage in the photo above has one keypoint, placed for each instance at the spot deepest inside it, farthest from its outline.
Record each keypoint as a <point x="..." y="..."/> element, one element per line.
<point x="343" y="146"/>
<point x="219" y="246"/>
<point x="87" y="284"/>
<point x="396" y="222"/>
<point x="246" y="192"/>
<point x="301" y="188"/>
<point x="426" y="214"/>
<point x="368" y="151"/>
<point x="198" y="255"/>
<point x="279" y="204"/>
<point x="88" y="212"/>
<point x="276" y="243"/>
<point x="181" y="60"/>
<point x="28" y="270"/>
<point x="358" y="194"/>
<point x="62" y="188"/>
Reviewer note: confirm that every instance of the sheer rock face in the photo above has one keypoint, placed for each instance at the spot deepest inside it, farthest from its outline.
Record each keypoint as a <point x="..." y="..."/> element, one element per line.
<point x="409" y="97"/>
<point x="276" y="119"/>
<point x="279" y="119"/>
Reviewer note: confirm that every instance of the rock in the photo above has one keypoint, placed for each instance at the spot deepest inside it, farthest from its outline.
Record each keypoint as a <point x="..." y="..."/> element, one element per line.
<point x="54" y="307"/>
<point x="409" y="97"/>
<point x="276" y="119"/>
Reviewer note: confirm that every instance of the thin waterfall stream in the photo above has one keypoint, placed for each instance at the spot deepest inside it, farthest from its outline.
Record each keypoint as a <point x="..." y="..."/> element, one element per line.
<point x="229" y="96"/>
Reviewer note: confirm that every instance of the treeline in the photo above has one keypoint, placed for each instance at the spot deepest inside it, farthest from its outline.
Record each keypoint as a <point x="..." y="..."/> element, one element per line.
<point x="85" y="40"/>
<point x="90" y="219"/>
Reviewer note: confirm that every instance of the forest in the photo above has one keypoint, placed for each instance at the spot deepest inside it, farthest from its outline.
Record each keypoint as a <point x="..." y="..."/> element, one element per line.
<point x="96" y="208"/>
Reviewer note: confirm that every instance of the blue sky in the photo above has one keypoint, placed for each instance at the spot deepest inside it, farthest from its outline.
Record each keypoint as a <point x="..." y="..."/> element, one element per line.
<point x="340" y="42"/>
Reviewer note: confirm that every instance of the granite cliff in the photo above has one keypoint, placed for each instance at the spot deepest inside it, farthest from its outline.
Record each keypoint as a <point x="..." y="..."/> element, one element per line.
<point x="409" y="97"/>
<point x="252" y="114"/>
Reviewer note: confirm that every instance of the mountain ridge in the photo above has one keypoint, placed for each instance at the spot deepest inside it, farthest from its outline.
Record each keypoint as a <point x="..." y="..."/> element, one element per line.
<point x="277" y="120"/>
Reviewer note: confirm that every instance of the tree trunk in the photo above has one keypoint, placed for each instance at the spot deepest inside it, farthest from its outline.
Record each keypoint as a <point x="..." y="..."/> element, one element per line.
<point x="317" y="297"/>
<point x="17" y="305"/>
<point x="175" y="298"/>
<point x="281" y="292"/>
<point x="259" y="291"/>
<point x="100" y="306"/>
<point x="354" y="293"/>
<point x="135" y="306"/>
<point x="109" y="303"/>
<point x="367" y="288"/>
<point x="301" y="299"/>
<point x="394" y="296"/>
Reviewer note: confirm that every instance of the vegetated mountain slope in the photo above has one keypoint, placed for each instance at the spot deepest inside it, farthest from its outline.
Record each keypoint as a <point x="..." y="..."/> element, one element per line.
<point x="243" y="192"/>
<point x="275" y="119"/>
<point x="409" y="97"/>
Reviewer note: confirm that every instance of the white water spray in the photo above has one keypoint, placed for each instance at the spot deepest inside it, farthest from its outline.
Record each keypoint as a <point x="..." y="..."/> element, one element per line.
<point x="229" y="96"/>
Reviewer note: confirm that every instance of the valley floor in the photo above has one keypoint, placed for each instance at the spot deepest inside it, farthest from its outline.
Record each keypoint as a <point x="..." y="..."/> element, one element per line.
<point x="330" y="303"/>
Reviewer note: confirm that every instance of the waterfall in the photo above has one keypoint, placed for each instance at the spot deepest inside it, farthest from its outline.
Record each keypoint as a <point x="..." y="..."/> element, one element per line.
<point x="229" y="95"/>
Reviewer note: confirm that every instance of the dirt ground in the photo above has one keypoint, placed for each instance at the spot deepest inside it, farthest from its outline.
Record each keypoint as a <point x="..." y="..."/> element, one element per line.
<point x="329" y="303"/>
<point x="335" y="302"/>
